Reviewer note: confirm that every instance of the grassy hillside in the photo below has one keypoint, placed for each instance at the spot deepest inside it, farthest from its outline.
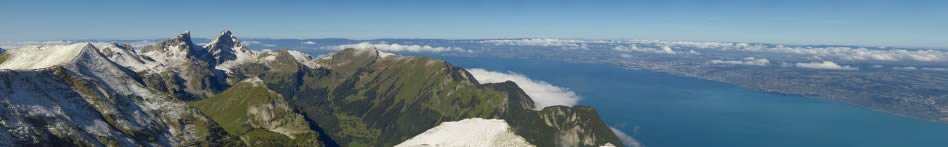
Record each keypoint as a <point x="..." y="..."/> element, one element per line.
<point x="258" y="116"/>
<point x="362" y="99"/>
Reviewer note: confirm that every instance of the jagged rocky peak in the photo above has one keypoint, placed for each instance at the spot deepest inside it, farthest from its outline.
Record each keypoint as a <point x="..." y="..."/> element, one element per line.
<point x="225" y="47"/>
<point x="180" y="45"/>
<point x="182" y="39"/>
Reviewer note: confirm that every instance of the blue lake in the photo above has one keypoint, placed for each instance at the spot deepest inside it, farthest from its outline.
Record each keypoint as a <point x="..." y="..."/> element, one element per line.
<point x="663" y="110"/>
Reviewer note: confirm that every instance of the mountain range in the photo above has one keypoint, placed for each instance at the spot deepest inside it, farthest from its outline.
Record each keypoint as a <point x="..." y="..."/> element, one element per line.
<point x="177" y="93"/>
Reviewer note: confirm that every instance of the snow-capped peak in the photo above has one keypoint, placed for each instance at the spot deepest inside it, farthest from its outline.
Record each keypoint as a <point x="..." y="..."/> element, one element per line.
<point x="224" y="39"/>
<point x="225" y="47"/>
<point x="37" y="57"/>
<point x="184" y="37"/>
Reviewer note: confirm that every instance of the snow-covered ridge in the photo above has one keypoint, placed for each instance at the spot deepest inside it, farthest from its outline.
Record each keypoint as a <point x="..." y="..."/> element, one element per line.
<point x="127" y="57"/>
<point x="225" y="50"/>
<point x="472" y="132"/>
<point x="37" y="57"/>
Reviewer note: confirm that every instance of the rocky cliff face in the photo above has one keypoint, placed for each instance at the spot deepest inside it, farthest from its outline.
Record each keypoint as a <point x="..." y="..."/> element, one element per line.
<point x="175" y="93"/>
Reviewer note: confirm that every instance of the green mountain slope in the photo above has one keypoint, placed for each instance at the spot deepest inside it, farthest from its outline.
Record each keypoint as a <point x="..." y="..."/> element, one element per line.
<point x="258" y="116"/>
<point x="362" y="99"/>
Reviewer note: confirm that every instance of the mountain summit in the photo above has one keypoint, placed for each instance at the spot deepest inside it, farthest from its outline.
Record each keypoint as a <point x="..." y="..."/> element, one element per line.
<point x="225" y="47"/>
<point x="175" y="93"/>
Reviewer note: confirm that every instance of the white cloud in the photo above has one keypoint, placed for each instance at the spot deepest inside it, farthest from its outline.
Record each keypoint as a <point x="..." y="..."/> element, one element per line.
<point x="905" y="68"/>
<point x="694" y="52"/>
<point x="746" y="61"/>
<point x="837" y="52"/>
<point x="309" y="43"/>
<point x="825" y="65"/>
<point x="538" y="42"/>
<point x="398" y="47"/>
<point x="935" y="69"/>
<point x="248" y="42"/>
<point x="543" y="94"/>
<point x="629" y="141"/>
<point x="634" y="48"/>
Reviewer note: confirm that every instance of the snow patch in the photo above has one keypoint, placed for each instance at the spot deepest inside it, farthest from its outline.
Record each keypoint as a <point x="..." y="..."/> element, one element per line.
<point x="385" y="54"/>
<point x="472" y="132"/>
<point x="304" y="59"/>
<point x="255" y="81"/>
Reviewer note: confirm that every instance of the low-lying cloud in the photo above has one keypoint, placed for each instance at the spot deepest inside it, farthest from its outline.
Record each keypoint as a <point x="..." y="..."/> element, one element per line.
<point x="747" y="61"/>
<point x="905" y="68"/>
<point x="837" y="52"/>
<point x="629" y="141"/>
<point x="935" y="69"/>
<point x="400" y="48"/>
<point x="912" y="68"/>
<point x="634" y="48"/>
<point x="825" y="65"/>
<point x="248" y="42"/>
<point x="543" y="94"/>
<point x="538" y="42"/>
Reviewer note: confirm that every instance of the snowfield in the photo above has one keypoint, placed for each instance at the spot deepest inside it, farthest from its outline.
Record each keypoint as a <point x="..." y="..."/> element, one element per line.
<point x="472" y="132"/>
<point x="36" y="57"/>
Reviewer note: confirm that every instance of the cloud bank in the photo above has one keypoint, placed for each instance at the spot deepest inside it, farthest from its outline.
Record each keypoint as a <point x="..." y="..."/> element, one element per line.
<point x="825" y="65"/>
<point x="399" y="47"/>
<point x="935" y="69"/>
<point x="634" y="48"/>
<point x="747" y="61"/>
<point x="905" y="68"/>
<point x="837" y="52"/>
<point x="538" y="42"/>
<point x="625" y="138"/>
<point x="543" y="94"/>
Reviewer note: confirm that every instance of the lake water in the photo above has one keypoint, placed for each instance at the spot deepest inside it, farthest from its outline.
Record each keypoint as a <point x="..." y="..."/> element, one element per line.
<point x="663" y="110"/>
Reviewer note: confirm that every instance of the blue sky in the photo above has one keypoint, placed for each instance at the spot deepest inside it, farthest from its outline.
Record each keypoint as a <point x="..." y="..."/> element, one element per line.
<point x="843" y="22"/>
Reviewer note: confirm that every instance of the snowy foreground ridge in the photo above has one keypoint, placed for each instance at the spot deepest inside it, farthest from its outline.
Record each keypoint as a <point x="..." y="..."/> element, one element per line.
<point x="472" y="132"/>
<point x="37" y="57"/>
